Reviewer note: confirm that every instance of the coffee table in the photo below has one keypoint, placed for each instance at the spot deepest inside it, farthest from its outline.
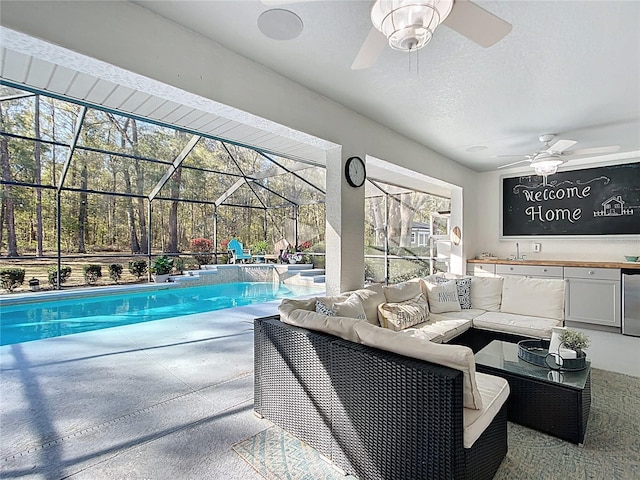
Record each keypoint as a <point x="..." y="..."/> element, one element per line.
<point x="550" y="401"/>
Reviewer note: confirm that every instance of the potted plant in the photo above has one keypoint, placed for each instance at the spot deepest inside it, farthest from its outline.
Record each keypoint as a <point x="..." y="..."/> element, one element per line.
<point x="575" y="340"/>
<point x="161" y="268"/>
<point x="259" y="249"/>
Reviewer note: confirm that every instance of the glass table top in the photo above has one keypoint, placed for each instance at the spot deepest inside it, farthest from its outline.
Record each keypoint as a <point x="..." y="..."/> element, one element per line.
<point x="504" y="356"/>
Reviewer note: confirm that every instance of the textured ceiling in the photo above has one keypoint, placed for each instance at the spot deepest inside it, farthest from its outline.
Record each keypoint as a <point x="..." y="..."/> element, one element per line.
<point x="571" y="68"/>
<point x="567" y="67"/>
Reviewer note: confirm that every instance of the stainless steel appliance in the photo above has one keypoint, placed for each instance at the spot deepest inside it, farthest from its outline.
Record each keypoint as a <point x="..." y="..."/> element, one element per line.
<point x="631" y="302"/>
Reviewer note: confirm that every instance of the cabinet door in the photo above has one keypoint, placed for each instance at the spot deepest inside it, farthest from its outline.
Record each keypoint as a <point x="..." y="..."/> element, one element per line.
<point x="593" y="301"/>
<point x="481" y="269"/>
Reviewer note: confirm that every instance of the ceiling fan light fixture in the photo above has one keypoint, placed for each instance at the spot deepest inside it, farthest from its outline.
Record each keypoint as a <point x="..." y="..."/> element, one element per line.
<point x="409" y="24"/>
<point x="547" y="165"/>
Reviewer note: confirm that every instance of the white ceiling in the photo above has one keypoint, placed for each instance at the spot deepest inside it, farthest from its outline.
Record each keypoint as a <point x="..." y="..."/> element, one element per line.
<point x="567" y="67"/>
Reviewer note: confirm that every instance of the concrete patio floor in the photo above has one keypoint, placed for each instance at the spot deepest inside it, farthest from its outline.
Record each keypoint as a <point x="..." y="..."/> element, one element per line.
<point x="158" y="400"/>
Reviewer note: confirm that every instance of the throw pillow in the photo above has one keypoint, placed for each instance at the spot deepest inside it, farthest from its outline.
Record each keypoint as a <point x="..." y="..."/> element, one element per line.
<point x="351" y="307"/>
<point x="401" y="292"/>
<point x="463" y="285"/>
<point x="325" y="305"/>
<point x="453" y="356"/>
<point x="444" y="297"/>
<point x="371" y="296"/>
<point x="322" y="308"/>
<point x="401" y="315"/>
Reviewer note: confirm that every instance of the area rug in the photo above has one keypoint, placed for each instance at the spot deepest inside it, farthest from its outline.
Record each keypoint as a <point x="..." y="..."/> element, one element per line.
<point x="611" y="449"/>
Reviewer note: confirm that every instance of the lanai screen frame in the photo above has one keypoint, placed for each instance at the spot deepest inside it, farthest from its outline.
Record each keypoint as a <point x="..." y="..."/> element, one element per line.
<point x="252" y="180"/>
<point x="243" y="178"/>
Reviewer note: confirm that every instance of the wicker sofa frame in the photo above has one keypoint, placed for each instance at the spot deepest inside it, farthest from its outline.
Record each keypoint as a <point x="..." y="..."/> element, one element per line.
<point x="374" y="414"/>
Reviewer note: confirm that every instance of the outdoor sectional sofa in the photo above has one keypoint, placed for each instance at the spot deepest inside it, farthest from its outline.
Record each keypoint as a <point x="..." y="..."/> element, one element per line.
<point x="385" y="397"/>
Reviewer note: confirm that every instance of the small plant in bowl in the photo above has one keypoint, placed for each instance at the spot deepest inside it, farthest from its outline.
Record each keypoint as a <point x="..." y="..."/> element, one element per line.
<point x="574" y="340"/>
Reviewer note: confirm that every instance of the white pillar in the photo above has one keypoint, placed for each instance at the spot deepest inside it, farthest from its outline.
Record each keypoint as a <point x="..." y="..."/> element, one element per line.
<point x="457" y="260"/>
<point x="344" y="229"/>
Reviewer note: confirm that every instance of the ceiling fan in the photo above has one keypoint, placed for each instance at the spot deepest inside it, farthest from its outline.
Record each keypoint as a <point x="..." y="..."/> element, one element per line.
<point x="408" y="25"/>
<point x="547" y="160"/>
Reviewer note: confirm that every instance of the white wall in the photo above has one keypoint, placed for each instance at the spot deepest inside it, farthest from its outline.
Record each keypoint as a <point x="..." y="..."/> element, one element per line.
<point x="574" y="248"/>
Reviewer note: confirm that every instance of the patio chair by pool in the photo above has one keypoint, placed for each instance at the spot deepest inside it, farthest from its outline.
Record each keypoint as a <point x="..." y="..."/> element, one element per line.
<point x="238" y="252"/>
<point x="278" y="247"/>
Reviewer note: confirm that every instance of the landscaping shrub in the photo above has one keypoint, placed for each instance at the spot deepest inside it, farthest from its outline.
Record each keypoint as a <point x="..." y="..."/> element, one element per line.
<point x="202" y="248"/>
<point x="115" y="271"/>
<point x="138" y="267"/>
<point x="11" y="278"/>
<point x="178" y="264"/>
<point x="52" y="275"/>
<point x="92" y="273"/>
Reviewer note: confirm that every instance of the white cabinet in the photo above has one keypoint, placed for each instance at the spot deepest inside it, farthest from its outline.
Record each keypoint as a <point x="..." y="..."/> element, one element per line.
<point x="481" y="269"/>
<point x="535" y="271"/>
<point x="593" y="295"/>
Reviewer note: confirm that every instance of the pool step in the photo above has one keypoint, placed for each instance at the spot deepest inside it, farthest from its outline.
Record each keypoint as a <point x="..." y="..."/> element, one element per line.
<point x="312" y="272"/>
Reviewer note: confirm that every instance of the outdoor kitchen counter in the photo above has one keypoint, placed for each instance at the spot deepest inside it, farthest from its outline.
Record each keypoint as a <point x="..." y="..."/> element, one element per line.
<point x="558" y="263"/>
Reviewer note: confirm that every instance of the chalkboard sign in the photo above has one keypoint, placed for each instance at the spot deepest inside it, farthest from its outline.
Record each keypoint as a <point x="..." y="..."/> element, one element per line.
<point x="590" y="201"/>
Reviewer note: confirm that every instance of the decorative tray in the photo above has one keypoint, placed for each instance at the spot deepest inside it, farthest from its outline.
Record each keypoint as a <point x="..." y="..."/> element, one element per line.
<point x="536" y="352"/>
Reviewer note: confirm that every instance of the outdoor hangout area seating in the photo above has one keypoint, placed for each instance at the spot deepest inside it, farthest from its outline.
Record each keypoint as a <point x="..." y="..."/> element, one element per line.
<point x="383" y="380"/>
<point x="237" y="252"/>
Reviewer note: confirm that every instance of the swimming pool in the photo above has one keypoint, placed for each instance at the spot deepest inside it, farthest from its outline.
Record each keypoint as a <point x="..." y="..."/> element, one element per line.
<point x="55" y="318"/>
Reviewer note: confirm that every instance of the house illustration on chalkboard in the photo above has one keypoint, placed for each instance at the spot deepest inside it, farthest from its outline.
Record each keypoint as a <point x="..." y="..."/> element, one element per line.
<point x="613" y="206"/>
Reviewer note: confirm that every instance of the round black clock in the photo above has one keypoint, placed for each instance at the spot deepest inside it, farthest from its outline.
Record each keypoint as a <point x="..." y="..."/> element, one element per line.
<point x="355" y="172"/>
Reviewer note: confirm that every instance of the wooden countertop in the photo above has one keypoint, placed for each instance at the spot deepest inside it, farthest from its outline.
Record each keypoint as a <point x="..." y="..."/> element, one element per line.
<point x="559" y="263"/>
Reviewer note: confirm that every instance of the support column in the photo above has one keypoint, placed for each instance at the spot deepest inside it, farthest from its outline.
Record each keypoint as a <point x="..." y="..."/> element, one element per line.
<point x="344" y="228"/>
<point x="215" y="234"/>
<point x="457" y="263"/>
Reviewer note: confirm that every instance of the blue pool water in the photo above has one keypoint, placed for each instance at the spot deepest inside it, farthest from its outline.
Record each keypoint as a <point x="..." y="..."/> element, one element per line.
<point x="34" y="321"/>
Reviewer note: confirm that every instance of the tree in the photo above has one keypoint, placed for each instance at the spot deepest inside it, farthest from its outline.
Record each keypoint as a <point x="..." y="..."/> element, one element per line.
<point x="404" y="209"/>
<point x="7" y="198"/>
<point x="83" y="209"/>
<point x="37" y="178"/>
<point x="172" y="245"/>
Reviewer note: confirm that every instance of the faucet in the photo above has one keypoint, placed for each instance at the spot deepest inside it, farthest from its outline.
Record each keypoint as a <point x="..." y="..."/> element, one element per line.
<point x="518" y="257"/>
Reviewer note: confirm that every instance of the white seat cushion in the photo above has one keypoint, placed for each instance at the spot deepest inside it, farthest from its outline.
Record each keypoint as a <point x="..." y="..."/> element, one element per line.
<point x="299" y="313"/>
<point x="494" y="392"/>
<point x="525" y="325"/>
<point x="469" y="314"/>
<point x="539" y="297"/>
<point x="486" y="293"/>
<point x="401" y="292"/>
<point x="447" y="329"/>
<point x="453" y="356"/>
<point x="423" y="334"/>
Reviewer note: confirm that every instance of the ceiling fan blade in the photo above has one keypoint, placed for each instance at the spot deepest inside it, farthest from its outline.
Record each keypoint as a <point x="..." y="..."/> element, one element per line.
<point x="593" y="151"/>
<point x="370" y="50"/>
<point x="475" y="23"/>
<point x="514" y="163"/>
<point x="560" y="146"/>
<point x="529" y="157"/>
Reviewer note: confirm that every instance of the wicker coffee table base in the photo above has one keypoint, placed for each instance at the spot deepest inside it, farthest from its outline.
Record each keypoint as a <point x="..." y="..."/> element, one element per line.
<point x="551" y="408"/>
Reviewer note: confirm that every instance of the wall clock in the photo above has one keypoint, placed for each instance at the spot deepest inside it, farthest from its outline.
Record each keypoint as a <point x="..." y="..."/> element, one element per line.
<point x="355" y="172"/>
